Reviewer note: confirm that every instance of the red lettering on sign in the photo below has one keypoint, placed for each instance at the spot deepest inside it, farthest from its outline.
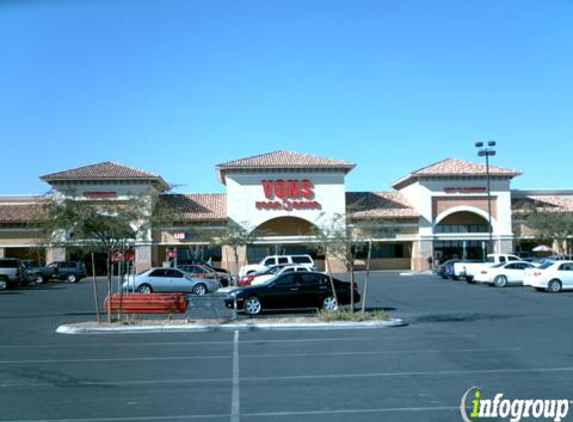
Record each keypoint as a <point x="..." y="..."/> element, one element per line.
<point x="268" y="187"/>
<point x="306" y="189"/>
<point x="292" y="189"/>
<point x="280" y="190"/>
<point x="289" y="189"/>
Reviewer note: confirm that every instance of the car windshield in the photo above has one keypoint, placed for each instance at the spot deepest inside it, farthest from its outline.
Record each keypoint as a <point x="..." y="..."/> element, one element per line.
<point x="546" y="264"/>
<point x="498" y="265"/>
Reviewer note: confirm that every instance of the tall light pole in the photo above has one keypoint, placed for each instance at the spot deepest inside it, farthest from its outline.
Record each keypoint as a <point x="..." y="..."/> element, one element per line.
<point x="487" y="151"/>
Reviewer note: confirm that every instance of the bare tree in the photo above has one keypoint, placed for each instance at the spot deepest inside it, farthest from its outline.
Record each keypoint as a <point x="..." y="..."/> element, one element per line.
<point x="345" y="238"/>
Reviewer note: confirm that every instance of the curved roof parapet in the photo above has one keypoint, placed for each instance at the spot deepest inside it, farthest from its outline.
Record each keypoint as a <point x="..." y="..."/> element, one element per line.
<point x="454" y="167"/>
<point x="279" y="160"/>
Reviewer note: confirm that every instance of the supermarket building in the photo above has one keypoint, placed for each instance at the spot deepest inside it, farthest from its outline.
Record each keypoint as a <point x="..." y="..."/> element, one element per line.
<point x="283" y="198"/>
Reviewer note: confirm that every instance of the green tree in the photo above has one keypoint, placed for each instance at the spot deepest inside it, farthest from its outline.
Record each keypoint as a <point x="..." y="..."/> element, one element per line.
<point x="235" y="237"/>
<point x="89" y="226"/>
<point x="554" y="226"/>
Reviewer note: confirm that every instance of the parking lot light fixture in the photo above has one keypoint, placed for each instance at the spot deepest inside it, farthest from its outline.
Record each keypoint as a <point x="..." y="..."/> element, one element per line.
<point x="487" y="151"/>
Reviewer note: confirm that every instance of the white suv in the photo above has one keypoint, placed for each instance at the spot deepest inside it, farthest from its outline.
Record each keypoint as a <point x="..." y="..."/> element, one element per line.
<point x="304" y="260"/>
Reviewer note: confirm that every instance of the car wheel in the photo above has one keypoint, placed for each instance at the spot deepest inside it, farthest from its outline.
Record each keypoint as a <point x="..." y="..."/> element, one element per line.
<point x="500" y="281"/>
<point x="40" y="279"/>
<point x="145" y="288"/>
<point x="252" y="306"/>
<point x="199" y="289"/>
<point x="329" y="304"/>
<point x="71" y="278"/>
<point x="3" y="284"/>
<point x="554" y="286"/>
<point x="470" y="280"/>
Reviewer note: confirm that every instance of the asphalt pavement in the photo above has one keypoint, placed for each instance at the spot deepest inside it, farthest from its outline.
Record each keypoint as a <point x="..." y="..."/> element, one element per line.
<point x="514" y="341"/>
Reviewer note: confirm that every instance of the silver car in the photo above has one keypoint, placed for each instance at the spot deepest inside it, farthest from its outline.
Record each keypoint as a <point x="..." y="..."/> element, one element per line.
<point x="168" y="280"/>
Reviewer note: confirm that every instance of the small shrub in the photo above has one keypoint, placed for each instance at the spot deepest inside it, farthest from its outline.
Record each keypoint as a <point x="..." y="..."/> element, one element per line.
<point x="346" y="315"/>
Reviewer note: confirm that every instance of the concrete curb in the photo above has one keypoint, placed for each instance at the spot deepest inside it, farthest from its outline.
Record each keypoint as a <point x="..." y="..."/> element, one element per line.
<point x="247" y="326"/>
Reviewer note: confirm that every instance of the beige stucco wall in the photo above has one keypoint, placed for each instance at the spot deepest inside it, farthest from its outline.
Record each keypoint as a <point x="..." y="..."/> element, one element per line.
<point x="442" y="204"/>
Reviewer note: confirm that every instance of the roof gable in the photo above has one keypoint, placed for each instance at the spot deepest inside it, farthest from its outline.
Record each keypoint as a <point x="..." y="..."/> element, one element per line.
<point x="107" y="170"/>
<point x="283" y="160"/>
<point x="455" y="167"/>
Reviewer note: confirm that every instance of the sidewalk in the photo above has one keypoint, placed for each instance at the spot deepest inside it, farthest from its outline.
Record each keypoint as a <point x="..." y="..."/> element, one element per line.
<point x="266" y="324"/>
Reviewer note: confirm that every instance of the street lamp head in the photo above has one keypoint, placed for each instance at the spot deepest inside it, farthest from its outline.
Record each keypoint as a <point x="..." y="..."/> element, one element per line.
<point x="491" y="144"/>
<point x="479" y="144"/>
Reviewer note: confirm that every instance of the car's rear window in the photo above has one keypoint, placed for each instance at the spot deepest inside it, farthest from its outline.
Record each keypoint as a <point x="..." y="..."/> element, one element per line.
<point x="301" y="260"/>
<point x="8" y="264"/>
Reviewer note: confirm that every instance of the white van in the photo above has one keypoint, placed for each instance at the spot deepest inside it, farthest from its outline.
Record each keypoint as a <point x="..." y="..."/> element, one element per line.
<point x="304" y="260"/>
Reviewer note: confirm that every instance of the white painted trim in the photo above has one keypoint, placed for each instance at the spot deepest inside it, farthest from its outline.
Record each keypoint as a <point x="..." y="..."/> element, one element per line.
<point x="465" y="208"/>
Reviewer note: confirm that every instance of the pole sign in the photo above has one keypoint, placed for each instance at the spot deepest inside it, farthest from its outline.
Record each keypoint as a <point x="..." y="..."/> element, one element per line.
<point x="288" y="195"/>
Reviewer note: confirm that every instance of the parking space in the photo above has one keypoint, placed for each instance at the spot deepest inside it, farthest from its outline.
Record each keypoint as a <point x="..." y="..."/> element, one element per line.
<point x="514" y="340"/>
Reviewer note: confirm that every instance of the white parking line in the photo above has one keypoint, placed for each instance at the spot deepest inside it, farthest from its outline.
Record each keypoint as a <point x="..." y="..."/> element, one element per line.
<point x="235" y="395"/>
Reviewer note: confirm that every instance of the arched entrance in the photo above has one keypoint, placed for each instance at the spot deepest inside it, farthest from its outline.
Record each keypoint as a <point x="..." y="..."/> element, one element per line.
<point x="461" y="234"/>
<point x="284" y="236"/>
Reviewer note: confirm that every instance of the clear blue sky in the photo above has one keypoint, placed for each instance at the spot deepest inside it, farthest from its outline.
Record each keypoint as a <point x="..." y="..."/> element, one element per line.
<point x="175" y="87"/>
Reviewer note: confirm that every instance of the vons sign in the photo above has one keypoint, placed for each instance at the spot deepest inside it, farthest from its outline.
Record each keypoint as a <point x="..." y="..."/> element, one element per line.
<point x="288" y="195"/>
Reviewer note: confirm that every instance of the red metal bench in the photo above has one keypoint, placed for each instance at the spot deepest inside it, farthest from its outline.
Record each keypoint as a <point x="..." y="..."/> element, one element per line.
<point x="147" y="303"/>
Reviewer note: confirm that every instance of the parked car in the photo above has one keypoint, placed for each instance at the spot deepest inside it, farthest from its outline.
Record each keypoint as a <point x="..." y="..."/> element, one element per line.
<point x="201" y="269"/>
<point x="503" y="274"/>
<point x="159" y="279"/>
<point x="468" y="269"/>
<point x="446" y="268"/>
<point x="12" y="273"/>
<point x="70" y="271"/>
<point x="280" y="270"/>
<point x="260" y="277"/>
<point x="293" y="290"/>
<point x="553" y="276"/>
<point x="270" y="261"/>
<point x="37" y="273"/>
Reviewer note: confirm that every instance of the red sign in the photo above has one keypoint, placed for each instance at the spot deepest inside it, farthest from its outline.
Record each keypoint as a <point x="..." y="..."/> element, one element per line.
<point x="170" y="252"/>
<point x="121" y="255"/>
<point x="288" y="189"/>
<point x="288" y="195"/>
<point x="476" y="189"/>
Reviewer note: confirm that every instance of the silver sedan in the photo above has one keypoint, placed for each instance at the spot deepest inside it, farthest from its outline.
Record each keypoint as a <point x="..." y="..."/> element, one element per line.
<point x="168" y="280"/>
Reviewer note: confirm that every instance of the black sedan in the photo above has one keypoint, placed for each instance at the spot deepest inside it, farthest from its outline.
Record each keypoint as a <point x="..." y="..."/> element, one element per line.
<point x="290" y="291"/>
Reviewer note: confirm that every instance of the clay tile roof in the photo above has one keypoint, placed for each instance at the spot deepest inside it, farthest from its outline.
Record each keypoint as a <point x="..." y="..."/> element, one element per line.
<point x="104" y="171"/>
<point x="19" y="213"/>
<point x="454" y="167"/>
<point x="379" y="205"/>
<point x="546" y="203"/>
<point x="198" y="207"/>
<point x="283" y="160"/>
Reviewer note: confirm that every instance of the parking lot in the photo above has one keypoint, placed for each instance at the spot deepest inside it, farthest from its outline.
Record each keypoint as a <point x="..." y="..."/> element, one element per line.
<point x="514" y="341"/>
